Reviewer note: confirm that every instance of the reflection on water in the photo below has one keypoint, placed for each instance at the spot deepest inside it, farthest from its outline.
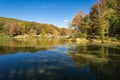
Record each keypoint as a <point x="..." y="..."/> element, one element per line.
<point x="103" y="60"/>
<point x="35" y="59"/>
<point x="31" y="45"/>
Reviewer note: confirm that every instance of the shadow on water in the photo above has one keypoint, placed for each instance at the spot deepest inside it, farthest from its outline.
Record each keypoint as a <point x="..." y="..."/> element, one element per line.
<point x="36" y="59"/>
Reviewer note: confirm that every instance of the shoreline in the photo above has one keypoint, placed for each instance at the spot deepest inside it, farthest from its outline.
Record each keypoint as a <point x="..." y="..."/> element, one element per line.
<point x="77" y="40"/>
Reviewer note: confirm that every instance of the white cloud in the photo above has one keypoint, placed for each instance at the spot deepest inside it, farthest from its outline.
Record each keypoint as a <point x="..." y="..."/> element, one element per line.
<point x="66" y="20"/>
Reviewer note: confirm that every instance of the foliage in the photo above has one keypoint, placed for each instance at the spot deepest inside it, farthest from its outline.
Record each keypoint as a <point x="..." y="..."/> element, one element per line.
<point x="80" y="24"/>
<point x="103" y="20"/>
<point x="13" y="27"/>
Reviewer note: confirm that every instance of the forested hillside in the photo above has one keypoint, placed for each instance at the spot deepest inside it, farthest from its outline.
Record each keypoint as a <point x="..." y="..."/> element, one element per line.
<point x="13" y="27"/>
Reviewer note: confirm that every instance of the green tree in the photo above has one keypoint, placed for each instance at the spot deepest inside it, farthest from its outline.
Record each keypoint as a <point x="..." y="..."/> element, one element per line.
<point x="113" y="20"/>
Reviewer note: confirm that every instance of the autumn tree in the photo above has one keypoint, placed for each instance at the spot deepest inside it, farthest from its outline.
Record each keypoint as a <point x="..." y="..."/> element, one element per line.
<point x="56" y="33"/>
<point x="63" y="32"/>
<point x="20" y="28"/>
<point x="78" y="24"/>
<point x="94" y="18"/>
<point x="42" y="32"/>
<point x="12" y="29"/>
<point x="37" y="30"/>
<point x="100" y="15"/>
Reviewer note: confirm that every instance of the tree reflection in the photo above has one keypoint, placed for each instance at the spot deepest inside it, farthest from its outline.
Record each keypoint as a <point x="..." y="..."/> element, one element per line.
<point x="59" y="60"/>
<point x="102" y="59"/>
<point x="8" y="46"/>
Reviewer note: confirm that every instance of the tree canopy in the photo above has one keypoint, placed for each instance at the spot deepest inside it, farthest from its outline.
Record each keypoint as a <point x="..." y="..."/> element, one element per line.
<point x="103" y="20"/>
<point x="13" y="27"/>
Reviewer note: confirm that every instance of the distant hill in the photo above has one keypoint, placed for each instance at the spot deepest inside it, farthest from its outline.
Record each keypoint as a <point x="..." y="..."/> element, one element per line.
<point x="13" y="27"/>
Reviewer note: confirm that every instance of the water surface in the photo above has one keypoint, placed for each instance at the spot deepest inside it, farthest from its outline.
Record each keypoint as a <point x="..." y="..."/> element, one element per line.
<point x="36" y="59"/>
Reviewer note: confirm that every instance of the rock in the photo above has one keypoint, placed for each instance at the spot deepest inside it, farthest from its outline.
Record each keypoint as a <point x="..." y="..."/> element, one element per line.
<point x="81" y="40"/>
<point x="21" y="36"/>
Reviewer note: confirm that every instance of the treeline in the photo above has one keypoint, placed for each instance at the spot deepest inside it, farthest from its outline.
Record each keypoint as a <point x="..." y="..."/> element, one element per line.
<point x="13" y="27"/>
<point x="103" y="21"/>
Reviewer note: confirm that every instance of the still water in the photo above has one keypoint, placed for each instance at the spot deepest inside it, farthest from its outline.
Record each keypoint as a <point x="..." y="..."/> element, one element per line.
<point x="36" y="59"/>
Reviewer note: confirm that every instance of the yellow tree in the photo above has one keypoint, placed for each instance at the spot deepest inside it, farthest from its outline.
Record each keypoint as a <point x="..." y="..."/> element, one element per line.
<point x="21" y="28"/>
<point x="78" y="24"/>
<point x="56" y="33"/>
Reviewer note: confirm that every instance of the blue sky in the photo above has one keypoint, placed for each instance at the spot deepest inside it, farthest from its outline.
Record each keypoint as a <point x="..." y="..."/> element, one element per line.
<point x="56" y="12"/>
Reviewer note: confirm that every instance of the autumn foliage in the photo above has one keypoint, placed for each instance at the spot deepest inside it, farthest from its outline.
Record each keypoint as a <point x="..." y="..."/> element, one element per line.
<point x="103" y="20"/>
<point x="13" y="27"/>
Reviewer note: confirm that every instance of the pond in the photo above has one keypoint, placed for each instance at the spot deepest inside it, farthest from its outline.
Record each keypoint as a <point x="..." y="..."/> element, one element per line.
<point x="47" y="59"/>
